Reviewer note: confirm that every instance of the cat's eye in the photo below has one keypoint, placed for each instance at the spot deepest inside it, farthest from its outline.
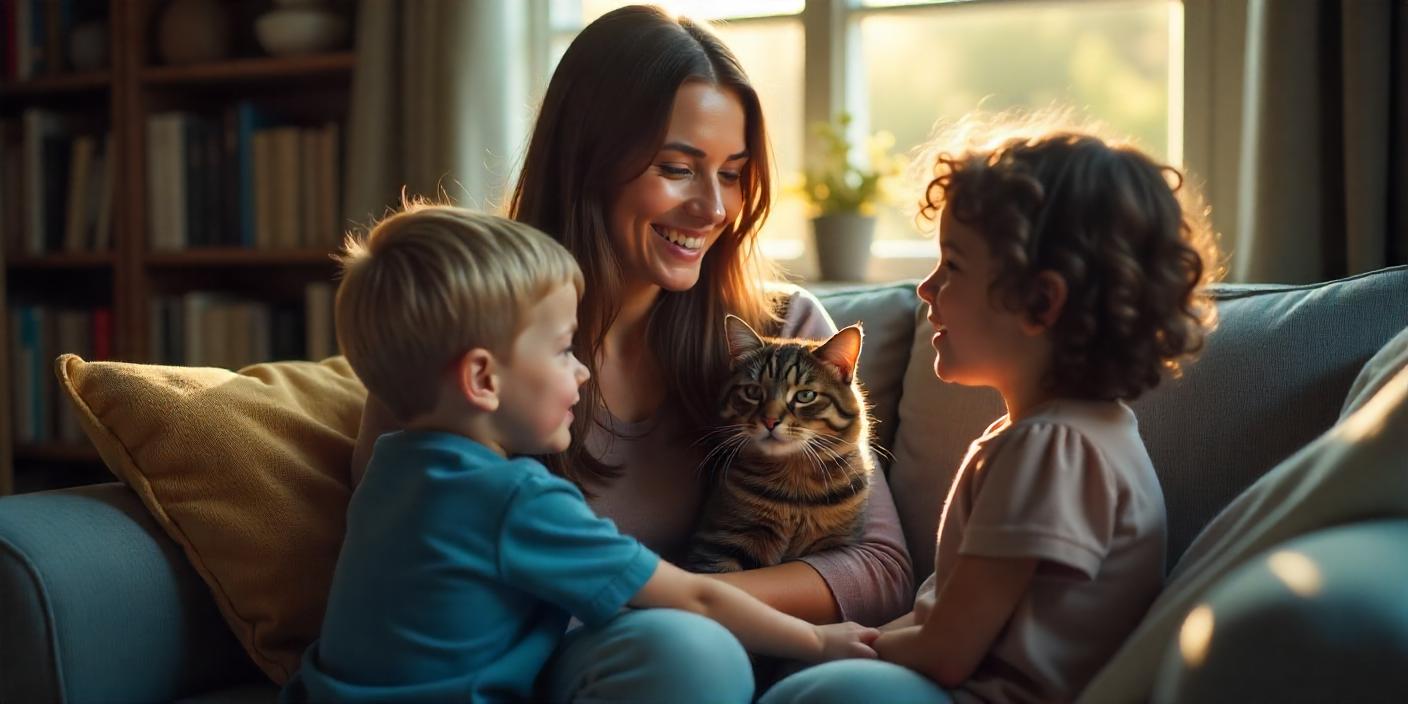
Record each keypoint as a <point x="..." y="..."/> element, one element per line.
<point x="805" y="396"/>
<point x="753" y="393"/>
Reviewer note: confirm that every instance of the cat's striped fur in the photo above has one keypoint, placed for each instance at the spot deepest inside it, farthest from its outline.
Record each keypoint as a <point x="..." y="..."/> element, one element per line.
<point x="792" y="457"/>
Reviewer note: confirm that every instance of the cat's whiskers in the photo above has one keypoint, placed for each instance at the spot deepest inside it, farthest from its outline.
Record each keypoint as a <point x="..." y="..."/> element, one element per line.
<point x="730" y="443"/>
<point x="721" y="430"/>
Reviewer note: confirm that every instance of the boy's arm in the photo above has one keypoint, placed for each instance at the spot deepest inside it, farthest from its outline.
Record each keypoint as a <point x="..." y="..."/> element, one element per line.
<point x="759" y="627"/>
<point x="972" y="608"/>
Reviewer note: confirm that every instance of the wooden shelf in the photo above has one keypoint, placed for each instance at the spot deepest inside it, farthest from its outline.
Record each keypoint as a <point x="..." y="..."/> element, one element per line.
<point x="57" y="84"/>
<point x="234" y="256"/>
<point x="53" y="452"/>
<point x="60" y="260"/>
<point x="251" y="69"/>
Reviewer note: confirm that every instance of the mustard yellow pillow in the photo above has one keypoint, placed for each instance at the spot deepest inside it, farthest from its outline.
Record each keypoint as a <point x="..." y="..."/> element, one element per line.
<point x="247" y="471"/>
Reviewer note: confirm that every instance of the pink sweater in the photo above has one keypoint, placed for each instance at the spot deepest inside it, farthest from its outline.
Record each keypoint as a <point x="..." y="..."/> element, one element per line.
<point x="660" y="492"/>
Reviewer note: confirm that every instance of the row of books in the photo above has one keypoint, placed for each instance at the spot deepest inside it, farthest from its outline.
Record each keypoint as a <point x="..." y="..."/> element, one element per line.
<point x="39" y="334"/>
<point x="210" y="329"/>
<point x="56" y="184"/>
<point x="242" y="179"/>
<point x="34" y="34"/>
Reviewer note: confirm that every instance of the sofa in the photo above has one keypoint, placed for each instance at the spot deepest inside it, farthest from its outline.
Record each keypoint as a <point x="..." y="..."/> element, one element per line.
<point x="97" y="603"/>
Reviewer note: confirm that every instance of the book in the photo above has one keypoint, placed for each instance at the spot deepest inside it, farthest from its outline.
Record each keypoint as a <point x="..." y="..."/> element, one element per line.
<point x="76" y="222"/>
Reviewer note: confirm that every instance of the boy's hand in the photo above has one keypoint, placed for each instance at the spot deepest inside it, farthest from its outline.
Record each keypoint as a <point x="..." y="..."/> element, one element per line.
<point x="846" y="640"/>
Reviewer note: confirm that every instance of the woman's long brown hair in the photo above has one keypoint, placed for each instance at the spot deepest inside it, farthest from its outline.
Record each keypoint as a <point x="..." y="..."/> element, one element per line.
<point x="605" y="115"/>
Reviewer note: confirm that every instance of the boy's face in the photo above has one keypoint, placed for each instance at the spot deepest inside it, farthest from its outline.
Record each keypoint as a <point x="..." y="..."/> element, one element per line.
<point x="540" y="380"/>
<point x="978" y="342"/>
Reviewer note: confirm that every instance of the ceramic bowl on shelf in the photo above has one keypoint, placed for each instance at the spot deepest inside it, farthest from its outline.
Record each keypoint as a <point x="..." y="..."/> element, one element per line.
<point x="294" y="30"/>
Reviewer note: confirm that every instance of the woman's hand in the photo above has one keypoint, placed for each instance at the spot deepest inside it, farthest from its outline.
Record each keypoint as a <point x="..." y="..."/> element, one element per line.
<point x="846" y="640"/>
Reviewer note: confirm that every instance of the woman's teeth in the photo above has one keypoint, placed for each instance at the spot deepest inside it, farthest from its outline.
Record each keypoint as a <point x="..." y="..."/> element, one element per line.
<point x="679" y="239"/>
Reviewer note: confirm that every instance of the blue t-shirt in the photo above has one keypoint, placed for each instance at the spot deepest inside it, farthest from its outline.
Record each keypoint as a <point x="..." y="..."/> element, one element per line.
<point x="458" y="575"/>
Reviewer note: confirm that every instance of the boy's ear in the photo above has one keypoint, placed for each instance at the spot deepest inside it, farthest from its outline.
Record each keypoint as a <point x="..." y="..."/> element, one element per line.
<point x="477" y="377"/>
<point x="742" y="340"/>
<point x="1052" y="292"/>
<point x="843" y="351"/>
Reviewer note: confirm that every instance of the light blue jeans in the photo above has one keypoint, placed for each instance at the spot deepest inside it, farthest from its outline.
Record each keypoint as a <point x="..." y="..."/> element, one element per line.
<point x="650" y="655"/>
<point x="856" y="682"/>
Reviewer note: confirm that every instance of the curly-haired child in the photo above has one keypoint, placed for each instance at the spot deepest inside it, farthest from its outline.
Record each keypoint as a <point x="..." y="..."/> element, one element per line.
<point x="1070" y="279"/>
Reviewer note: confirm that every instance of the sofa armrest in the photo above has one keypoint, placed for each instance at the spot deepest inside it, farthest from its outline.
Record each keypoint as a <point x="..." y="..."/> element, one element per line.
<point x="96" y="603"/>
<point x="1319" y="618"/>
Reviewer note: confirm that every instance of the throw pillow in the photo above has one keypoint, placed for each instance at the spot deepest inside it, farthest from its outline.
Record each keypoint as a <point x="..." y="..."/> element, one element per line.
<point x="937" y="423"/>
<point x="1353" y="472"/>
<point x="247" y="472"/>
<point x="1377" y="372"/>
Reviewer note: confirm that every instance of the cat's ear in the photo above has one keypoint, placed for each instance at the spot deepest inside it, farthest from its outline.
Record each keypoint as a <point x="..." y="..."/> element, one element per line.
<point x="843" y="351"/>
<point x="742" y="340"/>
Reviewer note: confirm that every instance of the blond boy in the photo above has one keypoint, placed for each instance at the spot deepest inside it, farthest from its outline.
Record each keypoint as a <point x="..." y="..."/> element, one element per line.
<point x="463" y="560"/>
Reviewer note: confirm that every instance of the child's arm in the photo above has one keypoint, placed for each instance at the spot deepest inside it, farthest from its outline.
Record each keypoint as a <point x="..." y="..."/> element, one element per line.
<point x="759" y="627"/>
<point x="971" y="609"/>
<point x="904" y="621"/>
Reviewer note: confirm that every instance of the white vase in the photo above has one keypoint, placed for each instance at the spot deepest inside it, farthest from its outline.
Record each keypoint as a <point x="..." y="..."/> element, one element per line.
<point x="843" y="245"/>
<point x="300" y="27"/>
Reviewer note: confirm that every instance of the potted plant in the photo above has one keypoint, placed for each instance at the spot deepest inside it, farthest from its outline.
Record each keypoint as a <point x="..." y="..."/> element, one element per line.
<point x="843" y="195"/>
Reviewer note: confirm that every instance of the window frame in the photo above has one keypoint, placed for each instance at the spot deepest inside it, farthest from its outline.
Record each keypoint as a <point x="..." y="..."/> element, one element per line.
<point x="833" y="83"/>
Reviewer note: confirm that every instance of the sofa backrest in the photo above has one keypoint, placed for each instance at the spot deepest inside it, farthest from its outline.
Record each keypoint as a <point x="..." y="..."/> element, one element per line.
<point x="1273" y="376"/>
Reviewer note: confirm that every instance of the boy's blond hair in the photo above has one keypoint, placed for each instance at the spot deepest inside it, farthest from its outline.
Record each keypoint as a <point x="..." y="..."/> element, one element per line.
<point x="432" y="282"/>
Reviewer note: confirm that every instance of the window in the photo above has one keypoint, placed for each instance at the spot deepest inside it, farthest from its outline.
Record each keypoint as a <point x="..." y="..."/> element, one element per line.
<point x="909" y="64"/>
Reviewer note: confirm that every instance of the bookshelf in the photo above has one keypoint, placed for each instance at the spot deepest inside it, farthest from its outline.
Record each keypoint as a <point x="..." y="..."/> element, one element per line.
<point x="184" y="261"/>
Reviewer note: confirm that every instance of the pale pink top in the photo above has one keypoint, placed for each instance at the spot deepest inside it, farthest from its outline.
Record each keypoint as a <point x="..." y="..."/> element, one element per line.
<point x="660" y="492"/>
<point x="1071" y="485"/>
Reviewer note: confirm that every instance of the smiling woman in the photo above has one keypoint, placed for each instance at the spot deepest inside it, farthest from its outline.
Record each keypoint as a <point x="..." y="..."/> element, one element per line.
<point x="649" y="162"/>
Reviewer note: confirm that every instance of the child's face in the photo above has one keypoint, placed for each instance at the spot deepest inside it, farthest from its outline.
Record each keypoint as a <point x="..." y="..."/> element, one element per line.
<point x="978" y="342"/>
<point x="540" y="381"/>
<point x="666" y="219"/>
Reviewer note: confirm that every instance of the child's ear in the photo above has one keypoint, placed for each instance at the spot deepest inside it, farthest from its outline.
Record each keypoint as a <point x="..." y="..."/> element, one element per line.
<point x="843" y="351"/>
<point x="476" y="375"/>
<point x="1051" y="292"/>
<point x="742" y="340"/>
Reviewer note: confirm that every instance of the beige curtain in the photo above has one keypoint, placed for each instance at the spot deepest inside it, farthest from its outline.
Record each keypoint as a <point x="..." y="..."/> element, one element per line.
<point x="438" y="102"/>
<point x="1322" y="187"/>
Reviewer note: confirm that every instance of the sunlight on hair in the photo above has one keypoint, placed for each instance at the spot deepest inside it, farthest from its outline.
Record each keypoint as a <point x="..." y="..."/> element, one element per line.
<point x="983" y="130"/>
<point x="1298" y="572"/>
<point x="1196" y="635"/>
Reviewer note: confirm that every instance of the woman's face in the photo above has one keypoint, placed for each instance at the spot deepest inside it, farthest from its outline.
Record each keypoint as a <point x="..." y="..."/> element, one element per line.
<point x="666" y="219"/>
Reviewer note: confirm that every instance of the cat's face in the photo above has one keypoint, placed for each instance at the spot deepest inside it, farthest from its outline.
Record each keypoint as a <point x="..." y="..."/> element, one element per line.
<point x="787" y="397"/>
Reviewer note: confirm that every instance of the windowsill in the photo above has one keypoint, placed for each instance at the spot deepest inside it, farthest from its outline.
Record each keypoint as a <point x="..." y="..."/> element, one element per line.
<point x="890" y="260"/>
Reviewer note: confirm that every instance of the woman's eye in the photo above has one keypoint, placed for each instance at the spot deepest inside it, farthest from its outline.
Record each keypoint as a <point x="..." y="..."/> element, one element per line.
<point x="673" y="170"/>
<point x="729" y="176"/>
<point x="805" y="396"/>
<point x="752" y="393"/>
<point x="951" y="266"/>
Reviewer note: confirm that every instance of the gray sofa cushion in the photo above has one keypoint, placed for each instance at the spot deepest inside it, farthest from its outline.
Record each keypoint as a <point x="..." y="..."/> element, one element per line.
<point x="1273" y="377"/>
<point x="887" y="312"/>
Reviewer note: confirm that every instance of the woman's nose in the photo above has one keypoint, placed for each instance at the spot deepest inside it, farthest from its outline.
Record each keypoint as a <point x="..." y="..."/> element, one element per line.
<point x="707" y="202"/>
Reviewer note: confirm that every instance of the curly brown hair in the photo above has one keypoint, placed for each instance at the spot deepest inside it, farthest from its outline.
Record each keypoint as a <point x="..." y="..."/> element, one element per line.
<point x="1125" y="233"/>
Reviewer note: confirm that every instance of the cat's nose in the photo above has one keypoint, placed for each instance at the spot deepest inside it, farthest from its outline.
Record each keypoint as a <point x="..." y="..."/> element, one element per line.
<point x="769" y="423"/>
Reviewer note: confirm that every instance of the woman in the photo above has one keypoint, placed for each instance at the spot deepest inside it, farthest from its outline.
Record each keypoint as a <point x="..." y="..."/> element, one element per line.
<point x="649" y="162"/>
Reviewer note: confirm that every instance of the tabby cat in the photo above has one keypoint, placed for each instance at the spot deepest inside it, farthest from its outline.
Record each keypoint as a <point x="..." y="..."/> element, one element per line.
<point x="793" y="461"/>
